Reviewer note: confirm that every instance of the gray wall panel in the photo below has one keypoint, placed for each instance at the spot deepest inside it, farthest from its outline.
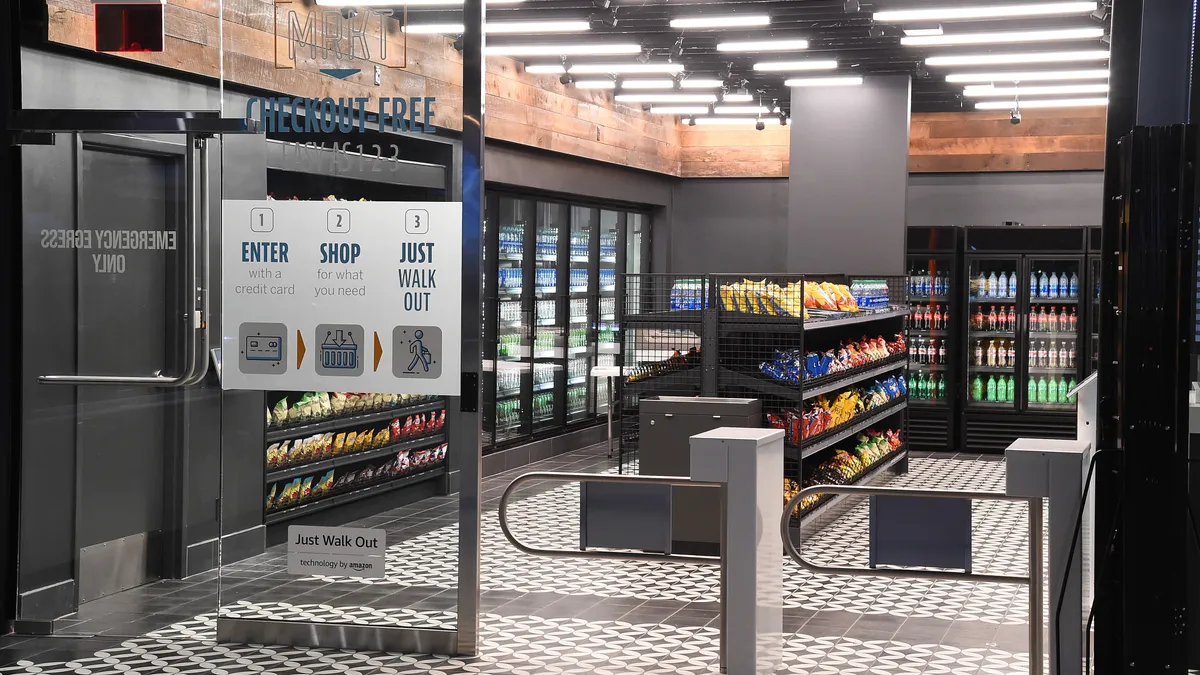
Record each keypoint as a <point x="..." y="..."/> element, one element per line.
<point x="849" y="177"/>
<point x="528" y="168"/>
<point x="728" y="225"/>
<point x="1041" y="198"/>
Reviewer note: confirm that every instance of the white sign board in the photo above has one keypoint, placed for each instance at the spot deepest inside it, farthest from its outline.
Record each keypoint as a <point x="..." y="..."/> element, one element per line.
<point x="337" y="551"/>
<point x="342" y="296"/>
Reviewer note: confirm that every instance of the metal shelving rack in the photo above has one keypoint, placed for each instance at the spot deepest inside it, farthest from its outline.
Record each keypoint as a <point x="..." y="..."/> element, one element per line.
<point x="683" y="336"/>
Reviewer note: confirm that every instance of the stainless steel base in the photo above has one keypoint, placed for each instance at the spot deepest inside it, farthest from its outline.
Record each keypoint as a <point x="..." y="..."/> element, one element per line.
<point x="334" y="636"/>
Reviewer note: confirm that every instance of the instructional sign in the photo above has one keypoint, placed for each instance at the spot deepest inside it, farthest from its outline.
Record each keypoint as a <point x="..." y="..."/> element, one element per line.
<point x="337" y="551"/>
<point x="342" y="296"/>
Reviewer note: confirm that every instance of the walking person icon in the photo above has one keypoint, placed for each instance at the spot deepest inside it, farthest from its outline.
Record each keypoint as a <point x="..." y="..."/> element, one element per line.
<point x="420" y="352"/>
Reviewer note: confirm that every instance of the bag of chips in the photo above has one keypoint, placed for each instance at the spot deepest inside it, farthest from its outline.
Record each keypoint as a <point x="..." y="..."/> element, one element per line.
<point x="272" y="455"/>
<point x="382" y="437"/>
<point x="280" y="412"/>
<point x="306" y="488"/>
<point x="324" y="484"/>
<point x="337" y="403"/>
<point x="339" y="444"/>
<point x="271" y="498"/>
<point x="352" y="441"/>
<point x="394" y="428"/>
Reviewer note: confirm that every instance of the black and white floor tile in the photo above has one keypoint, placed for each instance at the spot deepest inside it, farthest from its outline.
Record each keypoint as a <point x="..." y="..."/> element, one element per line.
<point x="567" y="616"/>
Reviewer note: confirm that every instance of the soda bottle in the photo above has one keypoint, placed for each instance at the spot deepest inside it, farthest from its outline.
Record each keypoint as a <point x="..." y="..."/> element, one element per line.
<point x="1053" y="286"/>
<point x="991" y="319"/>
<point x="912" y="351"/>
<point x="1012" y="284"/>
<point x="1002" y="286"/>
<point x="1070" y="387"/>
<point x="928" y="317"/>
<point x="1012" y="353"/>
<point x="1010" y="390"/>
<point x="1053" y="356"/>
<point x="939" y="321"/>
<point x="1062" y="391"/>
<point x="939" y="284"/>
<point x="993" y="285"/>
<point x="1012" y="318"/>
<point x="991" y="353"/>
<point x="1073" y="324"/>
<point x="941" y="359"/>
<point x="1033" y="285"/>
<point x="979" y="352"/>
<point x="991" y="388"/>
<point x="1073" y="288"/>
<point x="981" y="288"/>
<point x="1032" y="359"/>
<point x="912" y="281"/>
<point x="1043" y="356"/>
<point x="1032" y="390"/>
<point x="1052" y="391"/>
<point x="1064" y="357"/>
<point x="1041" y="390"/>
<point x="977" y="320"/>
<point x="1071" y="358"/>
<point x="941" y="387"/>
<point x="1043" y="320"/>
<point x="1043" y="285"/>
<point x="977" y="389"/>
<point x="922" y="352"/>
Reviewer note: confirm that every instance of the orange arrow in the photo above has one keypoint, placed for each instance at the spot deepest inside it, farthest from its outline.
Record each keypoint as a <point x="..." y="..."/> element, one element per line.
<point x="299" y="349"/>
<point x="378" y="351"/>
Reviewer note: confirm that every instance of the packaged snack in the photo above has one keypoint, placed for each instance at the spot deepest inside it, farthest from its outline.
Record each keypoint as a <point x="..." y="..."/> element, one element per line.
<point x="419" y="425"/>
<point x="270" y="419"/>
<point x="327" y="446"/>
<point x="442" y="419"/>
<point x="403" y="461"/>
<point x="442" y="450"/>
<point x="284" y="455"/>
<point x="394" y="429"/>
<point x="407" y="430"/>
<point x="365" y="439"/>
<point x="311" y="445"/>
<point x="366" y="474"/>
<point x="280" y="412"/>
<point x="352" y="441"/>
<point x="325" y="404"/>
<point x="271" y="497"/>
<point x="272" y="455"/>
<point x="306" y="488"/>
<point x="324" y="484"/>
<point x="339" y="444"/>
<point x="337" y="403"/>
<point x="343" y="480"/>
<point x="382" y="437"/>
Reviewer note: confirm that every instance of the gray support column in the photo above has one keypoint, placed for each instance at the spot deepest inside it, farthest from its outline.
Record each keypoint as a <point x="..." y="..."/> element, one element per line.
<point x="849" y="177"/>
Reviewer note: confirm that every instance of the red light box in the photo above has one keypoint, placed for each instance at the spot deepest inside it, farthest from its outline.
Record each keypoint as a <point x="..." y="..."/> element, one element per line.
<point x="129" y="25"/>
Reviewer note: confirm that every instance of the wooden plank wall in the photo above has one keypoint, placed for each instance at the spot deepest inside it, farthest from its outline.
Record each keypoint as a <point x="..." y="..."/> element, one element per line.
<point x="538" y="111"/>
<point x="1046" y="140"/>
<point x="522" y="108"/>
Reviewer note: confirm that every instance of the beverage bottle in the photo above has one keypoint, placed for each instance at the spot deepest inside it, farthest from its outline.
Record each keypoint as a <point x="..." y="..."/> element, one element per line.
<point x="1002" y="288"/>
<point x="1012" y="284"/>
<point x="991" y="319"/>
<point x="1070" y="386"/>
<point x="1053" y="354"/>
<point x="1052" y="391"/>
<point x="1043" y="321"/>
<point x="942" y="353"/>
<point x="993" y="286"/>
<point x="1033" y="285"/>
<point x="1064" y="321"/>
<point x="991" y="388"/>
<point x="1073" y="323"/>
<point x="1041" y="390"/>
<point x="922" y="352"/>
<point x="1071" y="358"/>
<point x="981" y="288"/>
<point x="991" y="353"/>
<point x="938" y="323"/>
<point x="1062" y="391"/>
<point x="941" y="387"/>
<point x="912" y="281"/>
<point x="1032" y="390"/>
<point x="1043" y="285"/>
<point x="1012" y="354"/>
<point x="1032" y="359"/>
<point x="912" y="351"/>
<point x="928" y="318"/>
<point x="1011" y="389"/>
<point x="946" y="318"/>
<point x="1073" y="286"/>
<point x="1043" y="359"/>
<point x="977" y="321"/>
<point x="1012" y="318"/>
<point x="1053" y="285"/>
<point x="1064" y="356"/>
<point x="979" y="352"/>
<point x="940" y="283"/>
<point x="977" y="389"/>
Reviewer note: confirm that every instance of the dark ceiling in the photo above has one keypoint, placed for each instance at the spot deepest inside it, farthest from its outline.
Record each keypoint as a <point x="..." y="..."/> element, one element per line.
<point x="834" y="28"/>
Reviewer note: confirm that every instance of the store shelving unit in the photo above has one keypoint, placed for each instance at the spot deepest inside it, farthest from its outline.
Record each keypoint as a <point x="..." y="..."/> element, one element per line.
<point x="707" y="336"/>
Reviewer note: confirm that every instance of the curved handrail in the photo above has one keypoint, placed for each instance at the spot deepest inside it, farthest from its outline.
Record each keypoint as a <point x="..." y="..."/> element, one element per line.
<point x="671" y="481"/>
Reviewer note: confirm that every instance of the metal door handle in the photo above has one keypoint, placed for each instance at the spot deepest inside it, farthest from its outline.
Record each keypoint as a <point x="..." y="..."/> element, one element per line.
<point x="196" y="284"/>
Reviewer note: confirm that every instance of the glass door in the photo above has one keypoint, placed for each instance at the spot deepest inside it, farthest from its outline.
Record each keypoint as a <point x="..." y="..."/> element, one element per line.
<point x="993" y="305"/>
<point x="551" y="337"/>
<point x="514" y="332"/>
<point x="1093" y="294"/>
<point x="581" y="344"/>
<point x="614" y="230"/>
<point x="931" y="350"/>
<point x="1052" y="331"/>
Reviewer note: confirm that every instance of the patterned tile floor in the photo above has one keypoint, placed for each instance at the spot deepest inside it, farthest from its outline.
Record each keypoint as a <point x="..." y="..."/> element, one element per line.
<point x="571" y="616"/>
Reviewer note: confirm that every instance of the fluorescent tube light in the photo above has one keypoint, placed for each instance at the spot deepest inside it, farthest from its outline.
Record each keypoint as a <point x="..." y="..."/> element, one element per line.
<point x="824" y="81"/>
<point x="1043" y="103"/>
<point x="742" y="110"/>
<point x="1019" y="57"/>
<point x="565" y="49"/>
<point x="595" y="84"/>
<point x="667" y="98"/>
<point x="1008" y="36"/>
<point x="762" y="45"/>
<point x="813" y="64"/>
<point x="722" y="21"/>
<point x="647" y="84"/>
<point x="735" y="121"/>
<point x="679" y="110"/>
<point x="978" y="91"/>
<point x="1029" y="76"/>
<point x="433" y="28"/>
<point x="406" y="3"/>
<point x="553" y="69"/>
<point x="495" y="27"/>
<point x="699" y="83"/>
<point x="625" y="68"/>
<point x="985" y="12"/>
<point x="930" y="30"/>
<point x="738" y="98"/>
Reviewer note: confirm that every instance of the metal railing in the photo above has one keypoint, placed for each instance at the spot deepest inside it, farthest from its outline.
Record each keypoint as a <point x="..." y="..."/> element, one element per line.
<point x="1033" y="579"/>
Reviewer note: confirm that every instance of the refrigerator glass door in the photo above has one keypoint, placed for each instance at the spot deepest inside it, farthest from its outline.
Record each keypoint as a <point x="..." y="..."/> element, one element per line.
<point x="1052" y="320"/>
<point x="930" y="350"/>
<point x="550" y="331"/>
<point x="513" y="333"/>
<point x="992" y="323"/>
<point x="1093" y="294"/>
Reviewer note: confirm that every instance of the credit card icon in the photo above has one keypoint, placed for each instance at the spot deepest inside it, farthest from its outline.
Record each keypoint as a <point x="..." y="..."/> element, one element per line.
<point x="264" y="348"/>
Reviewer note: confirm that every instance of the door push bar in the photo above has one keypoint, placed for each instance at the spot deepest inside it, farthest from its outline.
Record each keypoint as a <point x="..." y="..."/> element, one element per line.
<point x="195" y="285"/>
<point x="1033" y="579"/>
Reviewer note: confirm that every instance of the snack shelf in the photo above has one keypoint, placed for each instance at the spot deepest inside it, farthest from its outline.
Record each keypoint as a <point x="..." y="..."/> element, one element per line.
<point x="332" y="500"/>
<point x="335" y="423"/>
<point x="816" y="386"/>
<point x="827" y="502"/>
<point x="811" y="446"/>
<point x="353" y="458"/>
<point x="747" y="321"/>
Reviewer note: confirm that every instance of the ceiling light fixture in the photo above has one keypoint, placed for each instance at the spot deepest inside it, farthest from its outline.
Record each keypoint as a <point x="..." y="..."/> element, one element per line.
<point x="626" y="68"/>
<point x="913" y="31"/>
<point x="596" y="84"/>
<point x="406" y="3"/>
<point x="735" y="97"/>
<point x="678" y="110"/>
<point x="979" y="91"/>
<point x="1018" y="57"/>
<point x="823" y="81"/>
<point x="743" y="110"/>
<point x="433" y="28"/>
<point x="545" y="69"/>
<point x="564" y="49"/>
<point x="1004" y="37"/>
<point x="777" y="66"/>
<point x="700" y="83"/>
<point x="762" y="45"/>
<point x="1029" y="76"/>
<point x="495" y="27"/>
<point x="731" y="121"/>
<point x="647" y="84"/>
<point x="666" y="98"/>
<point x="722" y="21"/>
<point x="985" y="12"/>
<point x="1043" y="103"/>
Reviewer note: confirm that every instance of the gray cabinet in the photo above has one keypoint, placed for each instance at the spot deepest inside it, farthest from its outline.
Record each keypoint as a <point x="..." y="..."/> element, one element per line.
<point x="667" y="423"/>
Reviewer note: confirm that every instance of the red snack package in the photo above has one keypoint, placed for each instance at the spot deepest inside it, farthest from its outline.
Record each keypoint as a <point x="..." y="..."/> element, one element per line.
<point x="394" y="427"/>
<point x="407" y="430"/>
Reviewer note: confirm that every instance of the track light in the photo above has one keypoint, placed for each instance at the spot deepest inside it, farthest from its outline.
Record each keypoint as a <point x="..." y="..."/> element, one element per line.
<point x="676" y="50"/>
<point x="691" y="121"/>
<point x="604" y="19"/>
<point x="459" y="43"/>
<point x="851" y="6"/>
<point x="782" y="119"/>
<point x="759" y="125"/>
<point x="644" y="56"/>
<point x="566" y="78"/>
